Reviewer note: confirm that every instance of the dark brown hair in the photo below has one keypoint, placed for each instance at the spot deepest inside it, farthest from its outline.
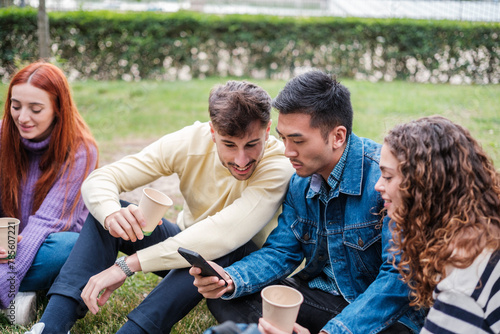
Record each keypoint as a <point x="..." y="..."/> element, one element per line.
<point x="235" y="105"/>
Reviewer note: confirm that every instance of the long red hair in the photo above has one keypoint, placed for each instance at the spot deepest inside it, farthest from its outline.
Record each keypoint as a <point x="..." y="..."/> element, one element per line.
<point x="69" y="132"/>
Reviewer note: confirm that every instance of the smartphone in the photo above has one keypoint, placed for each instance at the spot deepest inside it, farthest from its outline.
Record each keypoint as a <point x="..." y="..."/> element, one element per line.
<point x="197" y="260"/>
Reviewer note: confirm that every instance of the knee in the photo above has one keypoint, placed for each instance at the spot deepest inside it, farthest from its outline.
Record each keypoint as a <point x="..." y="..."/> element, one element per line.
<point x="60" y="244"/>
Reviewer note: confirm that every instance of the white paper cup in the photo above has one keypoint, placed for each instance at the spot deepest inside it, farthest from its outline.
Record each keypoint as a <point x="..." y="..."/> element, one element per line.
<point x="153" y="205"/>
<point x="9" y="229"/>
<point x="280" y="306"/>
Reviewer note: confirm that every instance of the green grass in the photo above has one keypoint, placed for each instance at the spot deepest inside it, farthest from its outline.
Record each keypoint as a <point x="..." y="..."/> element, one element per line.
<point x="144" y="110"/>
<point x="126" y="110"/>
<point x="149" y="109"/>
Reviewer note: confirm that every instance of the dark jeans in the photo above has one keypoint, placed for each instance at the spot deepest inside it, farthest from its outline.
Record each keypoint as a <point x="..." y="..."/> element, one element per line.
<point x="318" y="308"/>
<point x="165" y="305"/>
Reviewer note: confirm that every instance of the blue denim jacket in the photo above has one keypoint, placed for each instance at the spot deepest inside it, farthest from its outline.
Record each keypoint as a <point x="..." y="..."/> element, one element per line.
<point x="344" y="226"/>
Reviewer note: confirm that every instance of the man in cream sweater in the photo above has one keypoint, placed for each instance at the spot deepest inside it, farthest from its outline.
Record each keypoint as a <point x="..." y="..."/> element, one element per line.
<point x="233" y="177"/>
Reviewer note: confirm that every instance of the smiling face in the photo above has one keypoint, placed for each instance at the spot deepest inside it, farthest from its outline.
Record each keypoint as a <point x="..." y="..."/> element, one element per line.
<point x="32" y="112"/>
<point x="306" y="147"/>
<point x="389" y="181"/>
<point x="240" y="155"/>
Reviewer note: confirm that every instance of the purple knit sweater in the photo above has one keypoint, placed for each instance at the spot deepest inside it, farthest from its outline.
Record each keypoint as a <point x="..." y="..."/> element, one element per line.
<point x="46" y="220"/>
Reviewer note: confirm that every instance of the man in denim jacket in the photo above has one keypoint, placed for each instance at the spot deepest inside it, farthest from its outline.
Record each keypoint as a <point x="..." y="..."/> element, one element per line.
<point x="331" y="218"/>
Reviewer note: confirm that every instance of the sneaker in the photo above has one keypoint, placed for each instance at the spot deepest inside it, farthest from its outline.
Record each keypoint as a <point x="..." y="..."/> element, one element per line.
<point x="37" y="328"/>
<point x="22" y="309"/>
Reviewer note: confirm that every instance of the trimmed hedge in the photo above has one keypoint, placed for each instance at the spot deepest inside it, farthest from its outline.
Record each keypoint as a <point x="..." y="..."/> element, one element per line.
<point x="136" y="45"/>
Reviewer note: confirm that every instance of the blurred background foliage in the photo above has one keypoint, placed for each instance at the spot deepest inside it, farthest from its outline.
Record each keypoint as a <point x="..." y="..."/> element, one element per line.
<point x="104" y="45"/>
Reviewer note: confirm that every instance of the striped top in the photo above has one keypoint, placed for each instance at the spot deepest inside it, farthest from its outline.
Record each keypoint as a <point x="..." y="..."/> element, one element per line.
<point x="468" y="300"/>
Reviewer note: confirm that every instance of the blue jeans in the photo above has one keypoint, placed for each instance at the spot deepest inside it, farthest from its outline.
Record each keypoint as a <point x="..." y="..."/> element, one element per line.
<point x="48" y="261"/>
<point x="96" y="250"/>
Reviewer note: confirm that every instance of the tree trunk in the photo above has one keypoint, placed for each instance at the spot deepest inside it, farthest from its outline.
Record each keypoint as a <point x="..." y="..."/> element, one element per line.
<point x="43" y="31"/>
<point x="6" y="3"/>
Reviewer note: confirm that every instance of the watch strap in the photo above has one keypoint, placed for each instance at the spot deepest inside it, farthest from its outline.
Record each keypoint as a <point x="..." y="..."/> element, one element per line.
<point x="120" y="262"/>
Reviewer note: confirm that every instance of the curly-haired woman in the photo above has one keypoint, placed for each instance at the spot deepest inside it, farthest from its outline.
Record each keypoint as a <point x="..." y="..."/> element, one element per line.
<point x="442" y="193"/>
<point x="46" y="151"/>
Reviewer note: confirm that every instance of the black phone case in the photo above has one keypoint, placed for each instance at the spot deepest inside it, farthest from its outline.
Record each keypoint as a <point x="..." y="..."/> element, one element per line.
<point x="197" y="260"/>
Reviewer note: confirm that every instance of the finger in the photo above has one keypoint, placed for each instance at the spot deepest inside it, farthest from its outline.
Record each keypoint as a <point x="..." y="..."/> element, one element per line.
<point x="136" y="220"/>
<point x="195" y="271"/>
<point x="87" y="301"/>
<point x="215" y="290"/>
<point x="220" y="292"/>
<point x="104" y="297"/>
<point x="208" y="283"/>
<point x="126" y="228"/>
<point x="128" y="223"/>
<point x="89" y="295"/>
<point x="19" y="238"/>
<point x="94" y="294"/>
<point x="3" y="255"/>
<point x="213" y="294"/>
<point x="299" y="329"/>
<point x="266" y="328"/>
<point x="261" y="327"/>
<point x="116" y="230"/>
<point x="84" y="295"/>
<point x="137" y="213"/>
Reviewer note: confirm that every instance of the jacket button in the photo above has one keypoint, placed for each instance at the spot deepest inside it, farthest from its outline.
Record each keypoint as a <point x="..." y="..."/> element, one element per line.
<point x="360" y="243"/>
<point x="306" y="237"/>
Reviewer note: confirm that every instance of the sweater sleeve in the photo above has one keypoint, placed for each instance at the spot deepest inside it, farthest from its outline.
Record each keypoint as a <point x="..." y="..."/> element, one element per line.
<point x="46" y="220"/>
<point x="212" y="232"/>
<point x="101" y="190"/>
<point x="229" y="228"/>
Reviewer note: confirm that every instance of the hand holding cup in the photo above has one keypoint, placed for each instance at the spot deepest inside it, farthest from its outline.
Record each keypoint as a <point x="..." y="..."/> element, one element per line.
<point x="280" y="306"/>
<point x="153" y="205"/>
<point x="9" y="231"/>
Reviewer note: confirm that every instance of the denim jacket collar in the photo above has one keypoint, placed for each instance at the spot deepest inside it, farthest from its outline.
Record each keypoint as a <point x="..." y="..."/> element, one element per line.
<point x="352" y="177"/>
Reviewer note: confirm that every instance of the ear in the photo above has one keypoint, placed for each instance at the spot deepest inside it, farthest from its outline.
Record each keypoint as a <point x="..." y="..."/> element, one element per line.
<point x="268" y="130"/>
<point x="338" y="137"/>
<point x="212" y="131"/>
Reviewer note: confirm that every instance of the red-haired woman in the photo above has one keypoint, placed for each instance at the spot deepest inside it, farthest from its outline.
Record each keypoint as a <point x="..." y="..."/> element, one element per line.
<point x="46" y="151"/>
<point x="443" y="194"/>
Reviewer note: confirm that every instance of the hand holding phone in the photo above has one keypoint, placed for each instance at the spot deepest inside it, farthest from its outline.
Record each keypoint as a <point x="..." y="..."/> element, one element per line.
<point x="198" y="261"/>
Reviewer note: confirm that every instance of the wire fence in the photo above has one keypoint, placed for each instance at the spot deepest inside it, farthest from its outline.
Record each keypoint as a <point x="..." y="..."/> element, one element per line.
<point x="463" y="10"/>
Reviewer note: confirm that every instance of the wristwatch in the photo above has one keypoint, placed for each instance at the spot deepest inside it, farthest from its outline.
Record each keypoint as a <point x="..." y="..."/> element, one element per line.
<point x="120" y="262"/>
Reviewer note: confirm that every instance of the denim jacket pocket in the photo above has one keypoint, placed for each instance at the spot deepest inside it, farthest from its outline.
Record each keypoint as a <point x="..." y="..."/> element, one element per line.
<point x="305" y="230"/>
<point x="364" y="247"/>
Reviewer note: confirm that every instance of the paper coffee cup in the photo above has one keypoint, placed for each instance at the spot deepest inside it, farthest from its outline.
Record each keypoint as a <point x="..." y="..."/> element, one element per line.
<point x="153" y="205"/>
<point x="280" y="306"/>
<point x="9" y="229"/>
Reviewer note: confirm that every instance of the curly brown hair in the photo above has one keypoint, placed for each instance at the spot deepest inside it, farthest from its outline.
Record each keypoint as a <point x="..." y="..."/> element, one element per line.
<point x="450" y="209"/>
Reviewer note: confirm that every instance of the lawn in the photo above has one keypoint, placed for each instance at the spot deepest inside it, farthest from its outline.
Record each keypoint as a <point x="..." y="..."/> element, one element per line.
<point x="125" y="115"/>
